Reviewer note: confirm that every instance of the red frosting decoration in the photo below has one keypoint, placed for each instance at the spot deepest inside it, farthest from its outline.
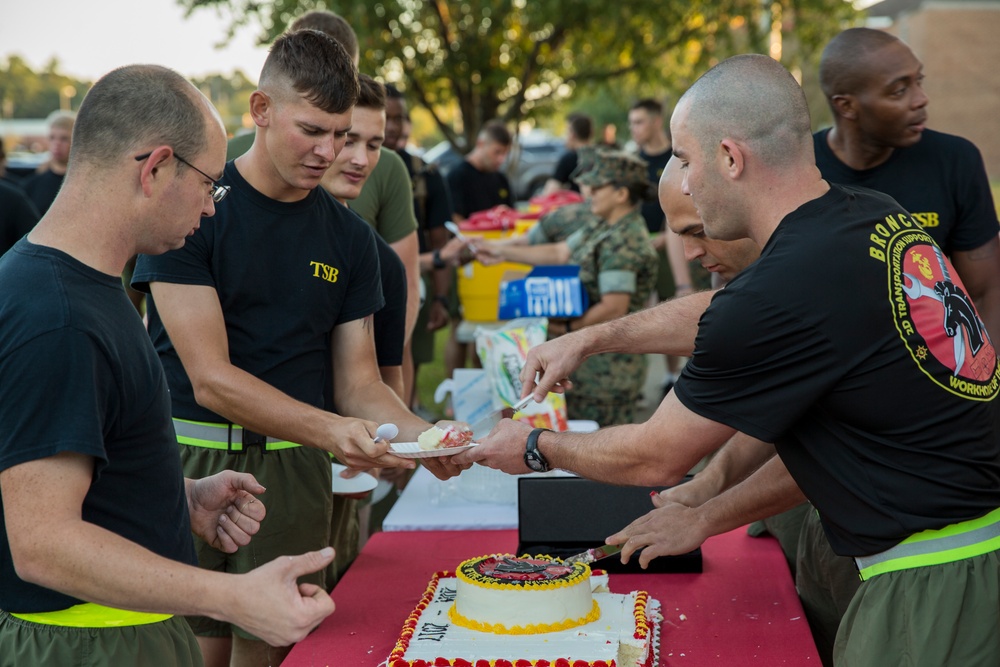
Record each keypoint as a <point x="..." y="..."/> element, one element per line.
<point x="553" y="570"/>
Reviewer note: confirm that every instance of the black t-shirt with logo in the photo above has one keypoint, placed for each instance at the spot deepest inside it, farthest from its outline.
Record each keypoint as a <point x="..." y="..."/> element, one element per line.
<point x="78" y="374"/>
<point x="941" y="180"/>
<point x="473" y="190"/>
<point x="851" y="345"/>
<point x="286" y="274"/>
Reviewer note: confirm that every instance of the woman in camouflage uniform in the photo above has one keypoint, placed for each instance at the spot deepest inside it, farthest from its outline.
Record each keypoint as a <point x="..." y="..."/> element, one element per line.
<point x="617" y="268"/>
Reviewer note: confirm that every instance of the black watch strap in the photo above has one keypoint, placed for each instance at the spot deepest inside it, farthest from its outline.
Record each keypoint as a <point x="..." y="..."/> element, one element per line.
<point x="437" y="262"/>
<point x="532" y="457"/>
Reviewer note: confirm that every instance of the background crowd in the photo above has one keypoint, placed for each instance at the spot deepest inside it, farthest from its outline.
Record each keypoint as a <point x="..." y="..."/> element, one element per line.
<point x="273" y="369"/>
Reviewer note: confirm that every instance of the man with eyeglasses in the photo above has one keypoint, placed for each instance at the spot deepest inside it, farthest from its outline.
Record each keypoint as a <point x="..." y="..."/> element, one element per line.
<point x="96" y="552"/>
<point x="265" y="317"/>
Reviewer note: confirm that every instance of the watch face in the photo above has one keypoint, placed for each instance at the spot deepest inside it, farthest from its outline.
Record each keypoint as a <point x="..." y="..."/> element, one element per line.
<point x="532" y="461"/>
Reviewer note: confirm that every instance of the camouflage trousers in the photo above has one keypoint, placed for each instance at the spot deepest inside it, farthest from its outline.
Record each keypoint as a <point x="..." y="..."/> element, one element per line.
<point x="606" y="389"/>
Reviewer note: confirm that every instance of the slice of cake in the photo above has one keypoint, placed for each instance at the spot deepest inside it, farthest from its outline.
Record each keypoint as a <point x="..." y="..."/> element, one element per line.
<point x="625" y="632"/>
<point x="440" y="438"/>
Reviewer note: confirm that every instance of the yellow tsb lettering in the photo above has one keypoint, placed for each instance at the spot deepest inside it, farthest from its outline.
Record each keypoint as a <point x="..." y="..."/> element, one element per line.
<point x="929" y="219"/>
<point x="325" y="271"/>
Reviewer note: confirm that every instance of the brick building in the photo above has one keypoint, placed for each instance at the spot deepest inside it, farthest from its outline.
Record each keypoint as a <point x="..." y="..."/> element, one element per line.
<point x="957" y="42"/>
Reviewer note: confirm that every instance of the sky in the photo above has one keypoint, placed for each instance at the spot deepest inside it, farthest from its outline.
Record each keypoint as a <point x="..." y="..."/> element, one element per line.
<point x="92" y="37"/>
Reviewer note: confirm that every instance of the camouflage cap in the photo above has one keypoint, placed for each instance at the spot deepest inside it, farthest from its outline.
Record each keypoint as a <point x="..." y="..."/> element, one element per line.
<point x="616" y="167"/>
<point x="585" y="157"/>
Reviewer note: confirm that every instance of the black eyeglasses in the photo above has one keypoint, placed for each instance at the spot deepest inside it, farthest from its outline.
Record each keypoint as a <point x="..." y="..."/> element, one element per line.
<point x="218" y="191"/>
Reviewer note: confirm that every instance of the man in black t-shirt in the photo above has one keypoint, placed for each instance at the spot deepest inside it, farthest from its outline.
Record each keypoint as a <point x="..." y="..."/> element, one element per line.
<point x="248" y="315"/>
<point x="432" y="207"/>
<point x="579" y="132"/>
<point x="874" y="85"/>
<point x="850" y="344"/>
<point x="96" y="519"/>
<point x="43" y="186"/>
<point x="476" y="183"/>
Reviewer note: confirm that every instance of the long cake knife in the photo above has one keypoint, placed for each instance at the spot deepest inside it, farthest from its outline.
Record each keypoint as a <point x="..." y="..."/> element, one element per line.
<point x="591" y="555"/>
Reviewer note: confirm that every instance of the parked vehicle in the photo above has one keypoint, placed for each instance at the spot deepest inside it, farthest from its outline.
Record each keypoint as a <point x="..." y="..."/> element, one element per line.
<point x="531" y="161"/>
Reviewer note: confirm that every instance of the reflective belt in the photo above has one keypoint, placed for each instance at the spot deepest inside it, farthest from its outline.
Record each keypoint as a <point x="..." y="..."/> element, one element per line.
<point x="90" y="615"/>
<point x="229" y="437"/>
<point x="934" y="547"/>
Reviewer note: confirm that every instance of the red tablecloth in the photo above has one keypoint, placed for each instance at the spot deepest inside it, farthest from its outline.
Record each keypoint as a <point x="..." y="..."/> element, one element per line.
<point x="742" y="610"/>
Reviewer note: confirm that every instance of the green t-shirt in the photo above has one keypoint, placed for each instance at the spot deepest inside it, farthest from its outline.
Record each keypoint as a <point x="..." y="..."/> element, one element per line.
<point x="386" y="201"/>
<point x="239" y="145"/>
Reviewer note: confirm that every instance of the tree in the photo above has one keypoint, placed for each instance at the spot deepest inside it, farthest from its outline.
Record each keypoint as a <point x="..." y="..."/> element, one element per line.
<point x="25" y="93"/>
<point x="518" y="59"/>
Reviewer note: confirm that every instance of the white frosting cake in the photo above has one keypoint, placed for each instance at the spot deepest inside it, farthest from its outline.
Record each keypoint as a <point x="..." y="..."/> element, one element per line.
<point x="625" y="635"/>
<point x="507" y="595"/>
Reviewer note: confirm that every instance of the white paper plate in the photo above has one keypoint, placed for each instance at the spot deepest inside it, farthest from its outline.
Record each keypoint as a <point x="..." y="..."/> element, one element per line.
<point x="411" y="450"/>
<point x="359" y="484"/>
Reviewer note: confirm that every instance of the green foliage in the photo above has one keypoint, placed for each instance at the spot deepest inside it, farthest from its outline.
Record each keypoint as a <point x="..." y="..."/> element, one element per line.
<point x="522" y="59"/>
<point x="25" y="93"/>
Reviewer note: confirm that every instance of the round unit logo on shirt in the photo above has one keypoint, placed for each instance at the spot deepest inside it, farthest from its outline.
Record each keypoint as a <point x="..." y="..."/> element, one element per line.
<point x="937" y="320"/>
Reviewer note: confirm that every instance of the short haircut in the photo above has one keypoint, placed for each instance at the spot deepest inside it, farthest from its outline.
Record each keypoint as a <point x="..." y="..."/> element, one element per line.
<point x="649" y="105"/>
<point x="844" y="65"/>
<point x="751" y="98"/>
<point x="496" y="132"/>
<point x="393" y="93"/>
<point x="315" y="66"/>
<point x="372" y="94"/>
<point x="135" y="108"/>
<point x="331" y="24"/>
<point x="62" y="120"/>
<point x="581" y="125"/>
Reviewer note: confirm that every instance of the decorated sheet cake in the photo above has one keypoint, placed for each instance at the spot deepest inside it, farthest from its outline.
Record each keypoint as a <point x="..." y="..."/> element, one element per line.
<point x="502" y="611"/>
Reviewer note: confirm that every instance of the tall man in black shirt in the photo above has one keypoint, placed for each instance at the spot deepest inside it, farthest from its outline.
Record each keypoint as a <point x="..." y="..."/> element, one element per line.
<point x="879" y="140"/>
<point x="265" y="315"/>
<point x="883" y="410"/>
<point x="477" y="184"/>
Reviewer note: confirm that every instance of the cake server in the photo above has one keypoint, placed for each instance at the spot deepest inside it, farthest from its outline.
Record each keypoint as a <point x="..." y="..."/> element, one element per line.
<point x="591" y="555"/>
<point x="483" y="427"/>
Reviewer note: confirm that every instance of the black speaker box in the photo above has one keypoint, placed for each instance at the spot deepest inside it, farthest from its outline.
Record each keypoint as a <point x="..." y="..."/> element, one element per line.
<point x="563" y="516"/>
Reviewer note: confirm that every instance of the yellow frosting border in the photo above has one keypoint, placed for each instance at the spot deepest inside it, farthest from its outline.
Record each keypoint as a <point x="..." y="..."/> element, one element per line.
<point x="467" y="573"/>
<point x="531" y="629"/>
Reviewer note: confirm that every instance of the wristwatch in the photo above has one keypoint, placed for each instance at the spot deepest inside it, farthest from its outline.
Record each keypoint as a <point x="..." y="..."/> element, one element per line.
<point x="532" y="457"/>
<point x="436" y="260"/>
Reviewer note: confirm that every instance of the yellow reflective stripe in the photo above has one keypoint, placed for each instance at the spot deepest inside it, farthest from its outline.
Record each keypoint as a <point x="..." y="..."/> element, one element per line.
<point x="90" y="615"/>
<point x="936" y="558"/>
<point x="208" y="444"/>
<point x="954" y="542"/>
<point x="955" y="528"/>
<point x="197" y="434"/>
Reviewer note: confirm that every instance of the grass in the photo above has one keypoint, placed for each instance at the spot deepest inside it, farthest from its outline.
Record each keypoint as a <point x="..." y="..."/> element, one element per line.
<point x="431" y="375"/>
<point x="995" y="187"/>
